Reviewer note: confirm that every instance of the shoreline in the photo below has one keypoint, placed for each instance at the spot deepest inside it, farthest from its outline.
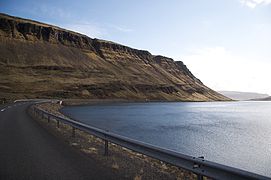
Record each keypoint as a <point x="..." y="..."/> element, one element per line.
<point x="85" y="102"/>
<point x="140" y="166"/>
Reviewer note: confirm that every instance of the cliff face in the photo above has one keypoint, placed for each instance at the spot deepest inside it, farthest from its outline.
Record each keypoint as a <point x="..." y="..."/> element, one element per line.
<point x="40" y="60"/>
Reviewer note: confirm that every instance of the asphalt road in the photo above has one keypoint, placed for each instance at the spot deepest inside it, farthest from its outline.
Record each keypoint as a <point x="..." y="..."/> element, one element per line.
<point x="28" y="151"/>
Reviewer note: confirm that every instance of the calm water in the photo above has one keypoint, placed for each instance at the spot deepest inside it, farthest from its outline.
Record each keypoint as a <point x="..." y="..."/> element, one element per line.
<point x="231" y="133"/>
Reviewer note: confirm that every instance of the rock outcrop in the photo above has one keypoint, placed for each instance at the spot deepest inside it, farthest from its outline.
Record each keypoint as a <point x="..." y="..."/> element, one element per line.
<point x="40" y="61"/>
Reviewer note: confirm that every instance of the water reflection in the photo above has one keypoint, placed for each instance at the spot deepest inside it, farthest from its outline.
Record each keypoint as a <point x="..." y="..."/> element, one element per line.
<point x="232" y="133"/>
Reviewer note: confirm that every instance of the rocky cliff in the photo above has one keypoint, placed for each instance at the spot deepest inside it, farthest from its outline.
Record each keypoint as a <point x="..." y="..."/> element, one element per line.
<point x="40" y="60"/>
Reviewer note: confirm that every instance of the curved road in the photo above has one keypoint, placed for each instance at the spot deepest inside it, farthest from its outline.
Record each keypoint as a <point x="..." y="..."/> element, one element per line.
<point x="28" y="151"/>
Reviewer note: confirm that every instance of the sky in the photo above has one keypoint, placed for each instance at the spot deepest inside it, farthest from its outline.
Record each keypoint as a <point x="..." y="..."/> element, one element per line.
<point x="225" y="43"/>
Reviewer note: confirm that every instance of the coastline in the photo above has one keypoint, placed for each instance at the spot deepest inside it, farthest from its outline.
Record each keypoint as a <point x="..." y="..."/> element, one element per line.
<point x="82" y="102"/>
<point x="140" y="166"/>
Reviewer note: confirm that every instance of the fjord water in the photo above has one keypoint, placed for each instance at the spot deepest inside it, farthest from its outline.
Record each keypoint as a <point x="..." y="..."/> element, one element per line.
<point x="237" y="134"/>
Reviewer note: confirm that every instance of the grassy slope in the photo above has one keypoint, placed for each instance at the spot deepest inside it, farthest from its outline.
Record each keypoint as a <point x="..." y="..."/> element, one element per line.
<point x="31" y="67"/>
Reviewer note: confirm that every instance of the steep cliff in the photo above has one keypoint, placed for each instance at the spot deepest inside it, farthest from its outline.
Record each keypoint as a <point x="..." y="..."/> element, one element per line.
<point x="41" y="60"/>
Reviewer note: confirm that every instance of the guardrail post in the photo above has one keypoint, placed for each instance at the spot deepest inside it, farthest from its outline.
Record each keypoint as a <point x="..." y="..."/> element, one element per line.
<point x="73" y="132"/>
<point x="48" y="118"/>
<point x="57" y="123"/>
<point x="106" y="147"/>
<point x="199" y="176"/>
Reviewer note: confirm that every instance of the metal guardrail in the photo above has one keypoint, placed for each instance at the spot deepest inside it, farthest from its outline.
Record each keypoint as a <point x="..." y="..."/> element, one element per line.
<point x="199" y="166"/>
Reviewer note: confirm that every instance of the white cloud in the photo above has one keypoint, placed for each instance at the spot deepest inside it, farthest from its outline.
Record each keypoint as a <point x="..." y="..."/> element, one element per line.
<point x="95" y="30"/>
<point x="49" y="11"/>
<point x="90" y="29"/>
<point x="120" y="28"/>
<point x="55" y="12"/>
<point x="253" y="3"/>
<point x="221" y="69"/>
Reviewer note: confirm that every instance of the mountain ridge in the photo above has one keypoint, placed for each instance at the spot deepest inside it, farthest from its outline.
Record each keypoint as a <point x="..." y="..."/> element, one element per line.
<point x="262" y="99"/>
<point x="75" y="65"/>
<point x="238" y="95"/>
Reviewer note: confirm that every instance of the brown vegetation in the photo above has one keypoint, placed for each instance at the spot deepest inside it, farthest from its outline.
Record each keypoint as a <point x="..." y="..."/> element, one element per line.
<point x="43" y="61"/>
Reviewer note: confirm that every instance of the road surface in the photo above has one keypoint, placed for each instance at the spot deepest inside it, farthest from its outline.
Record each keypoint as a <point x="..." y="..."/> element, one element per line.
<point x="28" y="151"/>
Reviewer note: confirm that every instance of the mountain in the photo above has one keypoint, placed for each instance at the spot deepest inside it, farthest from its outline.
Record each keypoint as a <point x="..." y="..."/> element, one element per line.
<point x="39" y="60"/>
<point x="242" y="95"/>
<point x="262" y="99"/>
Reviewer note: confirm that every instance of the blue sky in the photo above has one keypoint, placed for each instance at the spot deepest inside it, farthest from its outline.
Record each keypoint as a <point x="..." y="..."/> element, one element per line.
<point x="225" y="43"/>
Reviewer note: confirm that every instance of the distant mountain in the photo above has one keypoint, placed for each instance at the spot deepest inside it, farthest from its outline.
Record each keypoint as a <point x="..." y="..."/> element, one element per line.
<point x="262" y="99"/>
<point x="243" y="95"/>
<point x="42" y="61"/>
